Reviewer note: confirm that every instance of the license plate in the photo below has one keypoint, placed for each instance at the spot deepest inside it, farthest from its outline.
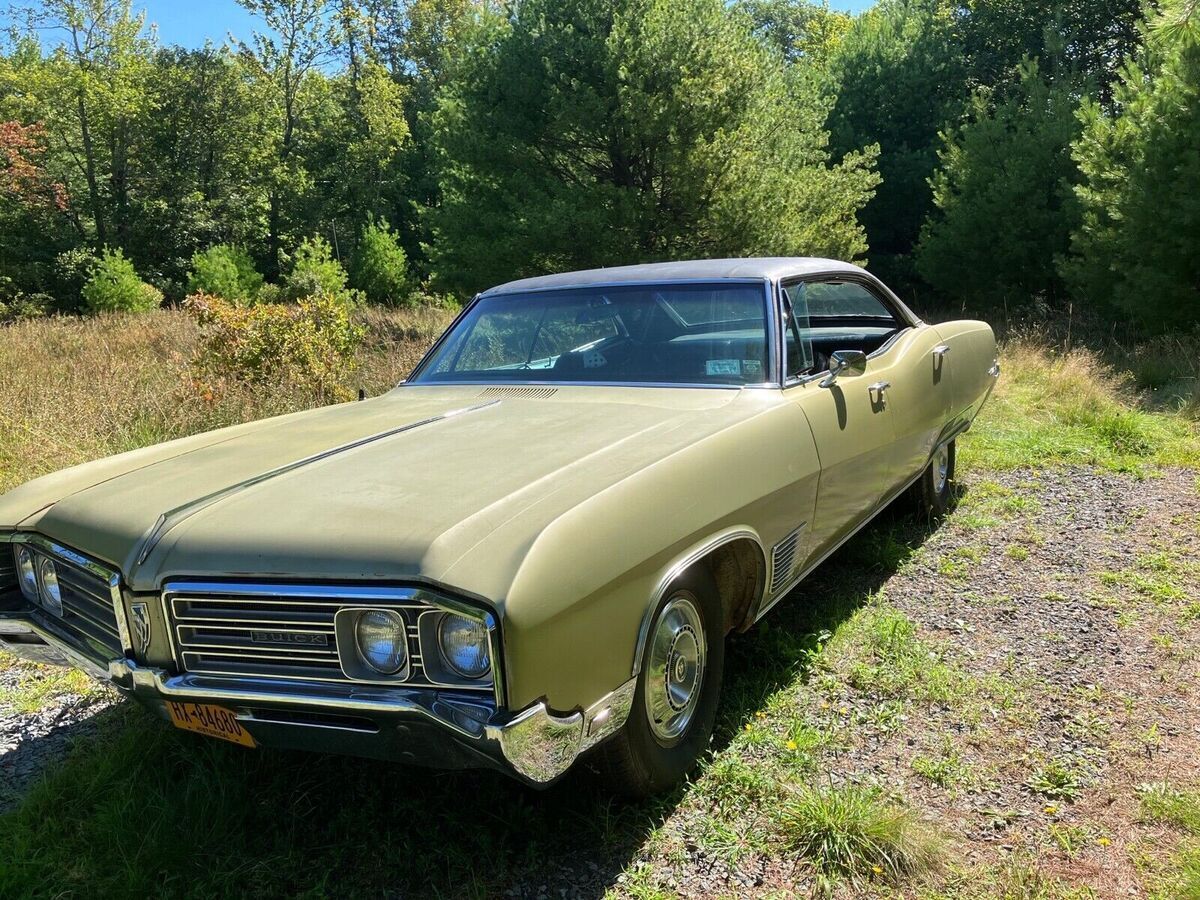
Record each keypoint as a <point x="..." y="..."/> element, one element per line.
<point x="213" y="721"/>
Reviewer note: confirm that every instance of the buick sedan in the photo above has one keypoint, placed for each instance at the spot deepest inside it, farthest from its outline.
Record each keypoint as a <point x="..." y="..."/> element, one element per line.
<point x="530" y="552"/>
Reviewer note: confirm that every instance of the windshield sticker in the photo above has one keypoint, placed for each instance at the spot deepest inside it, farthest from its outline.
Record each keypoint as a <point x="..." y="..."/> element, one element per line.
<point x="723" y="367"/>
<point x="752" y="366"/>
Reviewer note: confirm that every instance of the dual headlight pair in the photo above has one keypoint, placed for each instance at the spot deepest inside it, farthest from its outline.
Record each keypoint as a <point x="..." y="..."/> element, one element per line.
<point x="39" y="579"/>
<point x="381" y="639"/>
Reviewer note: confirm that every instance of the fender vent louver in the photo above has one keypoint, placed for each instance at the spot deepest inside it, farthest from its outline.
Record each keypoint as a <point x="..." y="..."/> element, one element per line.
<point x="783" y="558"/>
<point x="518" y="392"/>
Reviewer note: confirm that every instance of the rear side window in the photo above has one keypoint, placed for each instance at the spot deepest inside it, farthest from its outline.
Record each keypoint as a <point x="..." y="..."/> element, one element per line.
<point x="843" y="300"/>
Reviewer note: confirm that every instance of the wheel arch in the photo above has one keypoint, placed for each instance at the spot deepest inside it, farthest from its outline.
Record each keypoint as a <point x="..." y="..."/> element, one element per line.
<point x="737" y="561"/>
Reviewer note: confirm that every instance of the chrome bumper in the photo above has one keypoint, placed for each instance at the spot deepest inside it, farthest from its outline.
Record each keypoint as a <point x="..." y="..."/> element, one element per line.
<point x="419" y="726"/>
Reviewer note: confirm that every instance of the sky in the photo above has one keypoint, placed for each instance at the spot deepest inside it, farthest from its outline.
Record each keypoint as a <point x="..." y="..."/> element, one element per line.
<point x="191" y="22"/>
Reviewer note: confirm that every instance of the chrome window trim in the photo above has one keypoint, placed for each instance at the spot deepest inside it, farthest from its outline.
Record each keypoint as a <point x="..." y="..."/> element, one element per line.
<point x="364" y="594"/>
<point x="90" y="565"/>
<point x="770" y="311"/>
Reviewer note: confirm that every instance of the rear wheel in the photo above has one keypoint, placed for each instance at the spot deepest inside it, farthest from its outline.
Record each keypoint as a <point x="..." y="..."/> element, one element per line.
<point x="931" y="492"/>
<point x="675" y="704"/>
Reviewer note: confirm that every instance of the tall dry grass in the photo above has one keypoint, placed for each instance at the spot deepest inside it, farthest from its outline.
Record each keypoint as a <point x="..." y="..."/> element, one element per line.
<point x="73" y="390"/>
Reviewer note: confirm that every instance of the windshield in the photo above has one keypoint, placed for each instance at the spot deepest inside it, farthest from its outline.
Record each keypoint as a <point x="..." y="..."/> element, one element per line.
<point x="703" y="334"/>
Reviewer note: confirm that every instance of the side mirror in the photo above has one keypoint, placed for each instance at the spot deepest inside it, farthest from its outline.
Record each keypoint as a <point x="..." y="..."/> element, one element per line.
<point x="846" y="363"/>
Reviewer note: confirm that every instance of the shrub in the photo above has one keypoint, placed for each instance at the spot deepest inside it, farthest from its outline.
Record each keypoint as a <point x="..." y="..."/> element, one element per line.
<point x="226" y="272"/>
<point x="18" y="305"/>
<point x="315" y="273"/>
<point x="308" y="344"/>
<point x="380" y="266"/>
<point x="113" y="286"/>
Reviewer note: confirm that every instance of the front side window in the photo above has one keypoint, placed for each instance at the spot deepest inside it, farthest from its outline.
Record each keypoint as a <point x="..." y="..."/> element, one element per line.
<point x="704" y="334"/>
<point x="824" y="316"/>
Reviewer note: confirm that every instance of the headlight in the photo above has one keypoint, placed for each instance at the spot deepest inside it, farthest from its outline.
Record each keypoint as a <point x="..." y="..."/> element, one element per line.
<point x="464" y="645"/>
<point x="51" y="593"/>
<point x="26" y="573"/>
<point x="382" y="641"/>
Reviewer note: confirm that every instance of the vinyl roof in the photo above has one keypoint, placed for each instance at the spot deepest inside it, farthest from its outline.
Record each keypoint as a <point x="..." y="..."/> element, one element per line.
<point x="772" y="267"/>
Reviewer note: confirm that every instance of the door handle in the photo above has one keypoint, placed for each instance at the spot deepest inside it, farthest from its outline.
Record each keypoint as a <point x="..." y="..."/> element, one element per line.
<point x="877" y="391"/>
<point x="941" y="350"/>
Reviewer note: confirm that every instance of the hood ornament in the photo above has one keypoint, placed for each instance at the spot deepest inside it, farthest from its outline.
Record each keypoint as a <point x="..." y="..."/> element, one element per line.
<point x="141" y="627"/>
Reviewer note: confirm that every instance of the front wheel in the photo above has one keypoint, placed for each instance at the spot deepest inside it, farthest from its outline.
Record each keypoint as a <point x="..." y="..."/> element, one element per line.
<point x="675" y="705"/>
<point x="931" y="492"/>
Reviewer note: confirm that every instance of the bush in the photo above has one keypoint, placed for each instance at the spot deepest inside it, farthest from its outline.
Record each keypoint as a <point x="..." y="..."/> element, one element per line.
<point x="315" y="273"/>
<point x="113" y="286"/>
<point x="380" y="266"/>
<point x="226" y="272"/>
<point x="308" y="344"/>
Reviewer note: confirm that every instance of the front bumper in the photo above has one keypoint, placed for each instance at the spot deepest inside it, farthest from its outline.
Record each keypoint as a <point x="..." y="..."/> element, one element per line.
<point x="418" y="726"/>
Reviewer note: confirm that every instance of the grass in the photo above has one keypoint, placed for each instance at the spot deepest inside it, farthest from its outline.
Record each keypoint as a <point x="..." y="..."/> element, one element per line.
<point x="1072" y="408"/>
<point x="37" y="685"/>
<point x="1161" y="802"/>
<point x="850" y="831"/>
<point x="73" y="390"/>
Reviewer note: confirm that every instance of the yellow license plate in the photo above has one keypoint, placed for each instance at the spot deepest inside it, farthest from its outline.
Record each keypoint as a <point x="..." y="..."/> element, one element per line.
<point x="213" y="721"/>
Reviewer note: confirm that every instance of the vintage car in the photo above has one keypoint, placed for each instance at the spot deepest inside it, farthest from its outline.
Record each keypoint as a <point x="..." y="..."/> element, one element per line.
<point x="532" y="549"/>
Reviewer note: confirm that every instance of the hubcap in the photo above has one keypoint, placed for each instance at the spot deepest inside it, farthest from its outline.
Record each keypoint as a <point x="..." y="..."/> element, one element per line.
<point x="675" y="669"/>
<point x="941" y="467"/>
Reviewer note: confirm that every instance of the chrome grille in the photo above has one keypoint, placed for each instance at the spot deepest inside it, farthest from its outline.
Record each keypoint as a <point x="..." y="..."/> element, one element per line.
<point x="89" y="613"/>
<point x="8" y="570"/>
<point x="279" y="632"/>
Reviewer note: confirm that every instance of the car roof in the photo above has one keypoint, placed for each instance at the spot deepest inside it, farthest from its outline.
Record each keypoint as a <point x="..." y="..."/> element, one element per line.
<point x="772" y="267"/>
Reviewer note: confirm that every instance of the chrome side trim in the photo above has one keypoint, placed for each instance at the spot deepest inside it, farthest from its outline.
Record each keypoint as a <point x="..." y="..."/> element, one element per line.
<point x="783" y="556"/>
<point x="677" y="568"/>
<point x="170" y="519"/>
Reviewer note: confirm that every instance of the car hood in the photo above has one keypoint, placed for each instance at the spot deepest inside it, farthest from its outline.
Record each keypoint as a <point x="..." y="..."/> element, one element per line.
<point x="402" y="486"/>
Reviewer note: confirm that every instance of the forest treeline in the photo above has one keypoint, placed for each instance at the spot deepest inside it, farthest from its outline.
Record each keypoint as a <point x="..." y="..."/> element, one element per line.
<point x="1004" y="155"/>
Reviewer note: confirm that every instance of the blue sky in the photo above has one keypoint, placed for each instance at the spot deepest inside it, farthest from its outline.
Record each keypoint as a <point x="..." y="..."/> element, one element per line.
<point x="191" y="22"/>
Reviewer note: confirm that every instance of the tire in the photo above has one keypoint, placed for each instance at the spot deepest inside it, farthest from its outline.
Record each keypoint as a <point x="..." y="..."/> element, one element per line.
<point x="932" y="492"/>
<point x="644" y="758"/>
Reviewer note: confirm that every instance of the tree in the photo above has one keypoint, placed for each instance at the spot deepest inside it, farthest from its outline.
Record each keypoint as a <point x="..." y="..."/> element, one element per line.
<point x="799" y="30"/>
<point x="1081" y="41"/>
<point x="301" y="36"/>
<point x="899" y="77"/>
<point x="114" y="286"/>
<point x="203" y="167"/>
<point x="590" y="133"/>
<point x="90" y="92"/>
<point x="1136" y="246"/>
<point x="1003" y="197"/>
<point x="380" y="266"/>
<point x="226" y="272"/>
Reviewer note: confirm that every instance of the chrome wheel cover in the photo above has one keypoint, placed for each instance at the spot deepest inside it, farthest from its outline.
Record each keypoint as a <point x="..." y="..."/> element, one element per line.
<point x="941" y="467"/>
<point x="675" y="668"/>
